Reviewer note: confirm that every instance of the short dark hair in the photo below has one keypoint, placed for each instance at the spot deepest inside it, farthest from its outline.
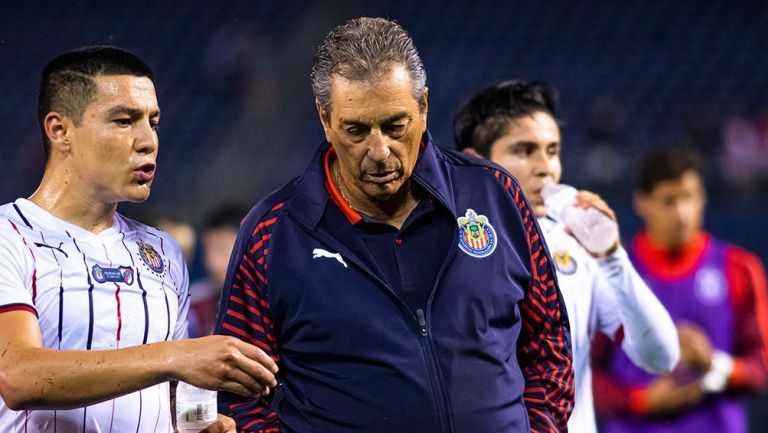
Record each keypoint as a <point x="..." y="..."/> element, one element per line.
<point x="664" y="165"/>
<point x="226" y="216"/>
<point x="487" y="115"/>
<point x="360" y="50"/>
<point x="67" y="86"/>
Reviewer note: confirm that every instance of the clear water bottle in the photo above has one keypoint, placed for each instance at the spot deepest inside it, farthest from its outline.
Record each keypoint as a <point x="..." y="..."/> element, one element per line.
<point x="195" y="408"/>
<point x="592" y="228"/>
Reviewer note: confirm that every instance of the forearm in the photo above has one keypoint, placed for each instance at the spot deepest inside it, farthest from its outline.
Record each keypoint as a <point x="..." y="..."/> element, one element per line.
<point x="650" y="335"/>
<point x="37" y="378"/>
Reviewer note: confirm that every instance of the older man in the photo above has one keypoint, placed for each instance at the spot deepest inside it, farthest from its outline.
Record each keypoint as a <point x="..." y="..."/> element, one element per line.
<point x="400" y="287"/>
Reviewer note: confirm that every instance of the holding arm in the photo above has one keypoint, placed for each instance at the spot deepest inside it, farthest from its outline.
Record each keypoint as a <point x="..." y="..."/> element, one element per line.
<point x="627" y="310"/>
<point x="33" y="377"/>
<point x="636" y="320"/>
<point x="37" y="378"/>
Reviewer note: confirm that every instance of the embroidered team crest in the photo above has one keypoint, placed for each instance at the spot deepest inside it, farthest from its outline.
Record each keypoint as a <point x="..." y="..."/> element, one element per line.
<point x="122" y="274"/>
<point x="150" y="257"/>
<point x="476" y="235"/>
<point x="564" y="262"/>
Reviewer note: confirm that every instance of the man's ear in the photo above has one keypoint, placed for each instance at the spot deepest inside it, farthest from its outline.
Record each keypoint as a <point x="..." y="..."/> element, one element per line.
<point x="325" y="120"/>
<point x="58" y="128"/>
<point x="424" y="103"/>
<point x="472" y="151"/>
<point x="639" y="202"/>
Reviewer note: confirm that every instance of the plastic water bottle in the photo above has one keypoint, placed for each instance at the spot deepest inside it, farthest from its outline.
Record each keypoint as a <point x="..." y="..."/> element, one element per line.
<point x="195" y="408"/>
<point x="592" y="228"/>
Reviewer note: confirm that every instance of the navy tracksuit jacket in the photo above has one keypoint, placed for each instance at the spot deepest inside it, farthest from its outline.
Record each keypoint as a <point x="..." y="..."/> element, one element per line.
<point x="488" y="352"/>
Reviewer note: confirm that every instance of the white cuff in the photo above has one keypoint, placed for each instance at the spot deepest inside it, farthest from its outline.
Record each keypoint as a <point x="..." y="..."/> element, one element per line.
<point x="716" y="379"/>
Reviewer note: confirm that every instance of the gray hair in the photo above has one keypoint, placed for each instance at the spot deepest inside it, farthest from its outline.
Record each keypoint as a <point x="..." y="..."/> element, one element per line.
<point x="361" y="50"/>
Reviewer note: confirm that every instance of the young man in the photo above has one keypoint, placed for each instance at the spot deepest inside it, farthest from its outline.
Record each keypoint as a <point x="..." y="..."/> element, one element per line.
<point x="402" y="287"/>
<point x="715" y="292"/>
<point x="513" y="124"/>
<point x="93" y="305"/>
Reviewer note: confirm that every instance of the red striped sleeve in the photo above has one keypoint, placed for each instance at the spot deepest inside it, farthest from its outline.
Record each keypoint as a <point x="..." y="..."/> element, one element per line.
<point x="246" y="315"/>
<point x="749" y="299"/>
<point x="544" y="346"/>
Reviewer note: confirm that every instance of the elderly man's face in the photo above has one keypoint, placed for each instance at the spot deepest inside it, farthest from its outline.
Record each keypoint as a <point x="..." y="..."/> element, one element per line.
<point x="375" y="129"/>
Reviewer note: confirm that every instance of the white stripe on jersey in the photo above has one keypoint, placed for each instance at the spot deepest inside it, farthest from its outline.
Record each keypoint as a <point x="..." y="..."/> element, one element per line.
<point x="122" y="287"/>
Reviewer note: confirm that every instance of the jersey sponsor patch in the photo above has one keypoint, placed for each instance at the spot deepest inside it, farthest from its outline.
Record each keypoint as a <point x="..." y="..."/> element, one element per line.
<point x="122" y="274"/>
<point x="151" y="257"/>
<point x="564" y="262"/>
<point x="476" y="234"/>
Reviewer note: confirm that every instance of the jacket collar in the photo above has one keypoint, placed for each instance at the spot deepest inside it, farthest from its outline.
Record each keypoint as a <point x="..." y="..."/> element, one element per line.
<point x="315" y="191"/>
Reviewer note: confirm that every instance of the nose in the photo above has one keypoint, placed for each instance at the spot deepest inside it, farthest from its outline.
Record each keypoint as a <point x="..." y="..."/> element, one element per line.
<point x="146" y="140"/>
<point x="541" y="163"/>
<point x="378" y="149"/>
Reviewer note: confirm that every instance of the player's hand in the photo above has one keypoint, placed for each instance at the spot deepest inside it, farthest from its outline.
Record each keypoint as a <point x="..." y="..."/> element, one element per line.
<point x="587" y="199"/>
<point x="223" y="424"/>
<point x="226" y="364"/>
<point x="695" y="348"/>
<point x="666" y="396"/>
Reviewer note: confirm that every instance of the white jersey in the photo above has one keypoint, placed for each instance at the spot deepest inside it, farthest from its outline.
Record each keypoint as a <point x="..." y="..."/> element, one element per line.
<point x="606" y="295"/>
<point x="123" y="287"/>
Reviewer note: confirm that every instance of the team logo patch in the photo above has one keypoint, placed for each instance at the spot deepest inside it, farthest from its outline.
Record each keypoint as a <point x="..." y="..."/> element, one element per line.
<point x="150" y="257"/>
<point x="564" y="262"/>
<point x="122" y="274"/>
<point x="476" y="235"/>
<point x="710" y="287"/>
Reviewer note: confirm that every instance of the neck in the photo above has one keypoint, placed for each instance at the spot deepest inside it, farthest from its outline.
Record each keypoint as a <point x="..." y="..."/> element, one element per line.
<point x="392" y="211"/>
<point x="63" y="199"/>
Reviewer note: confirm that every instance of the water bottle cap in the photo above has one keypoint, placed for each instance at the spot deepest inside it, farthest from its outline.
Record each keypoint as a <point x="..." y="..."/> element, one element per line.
<point x="557" y="197"/>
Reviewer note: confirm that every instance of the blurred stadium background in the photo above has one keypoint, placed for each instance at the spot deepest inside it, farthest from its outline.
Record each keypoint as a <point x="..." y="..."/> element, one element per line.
<point x="238" y="112"/>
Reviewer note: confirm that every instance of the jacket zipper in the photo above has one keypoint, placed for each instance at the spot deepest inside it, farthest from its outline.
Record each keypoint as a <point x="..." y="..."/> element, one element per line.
<point x="426" y="345"/>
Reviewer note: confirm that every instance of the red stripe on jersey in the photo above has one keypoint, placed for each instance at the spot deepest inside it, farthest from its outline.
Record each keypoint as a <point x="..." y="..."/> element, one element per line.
<point x="263" y="224"/>
<point x="258" y="343"/>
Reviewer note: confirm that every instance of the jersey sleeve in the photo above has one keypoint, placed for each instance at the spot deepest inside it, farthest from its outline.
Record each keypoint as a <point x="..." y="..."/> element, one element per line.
<point x="749" y="293"/>
<point x="182" y="322"/>
<point x="17" y="267"/>
<point x="543" y="348"/>
<point x="631" y="315"/>
<point x="244" y="313"/>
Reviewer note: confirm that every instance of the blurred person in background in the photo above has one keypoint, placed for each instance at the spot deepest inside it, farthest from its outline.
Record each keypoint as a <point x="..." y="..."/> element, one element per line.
<point x="217" y="240"/>
<point x="715" y="292"/>
<point x="514" y="125"/>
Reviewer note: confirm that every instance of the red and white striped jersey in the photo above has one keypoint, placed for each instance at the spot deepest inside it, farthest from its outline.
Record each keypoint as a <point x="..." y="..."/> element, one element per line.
<point x="125" y="286"/>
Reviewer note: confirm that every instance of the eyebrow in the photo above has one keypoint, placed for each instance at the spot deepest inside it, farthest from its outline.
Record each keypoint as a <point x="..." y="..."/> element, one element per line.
<point x="390" y="119"/>
<point x="532" y="143"/>
<point x="132" y="112"/>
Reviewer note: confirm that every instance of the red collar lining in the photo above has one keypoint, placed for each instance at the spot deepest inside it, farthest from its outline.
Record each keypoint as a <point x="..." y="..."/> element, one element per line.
<point x="666" y="263"/>
<point x="352" y="216"/>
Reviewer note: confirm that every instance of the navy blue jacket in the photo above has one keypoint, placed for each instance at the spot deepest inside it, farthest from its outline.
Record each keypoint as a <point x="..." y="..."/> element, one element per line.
<point x="488" y="352"/>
